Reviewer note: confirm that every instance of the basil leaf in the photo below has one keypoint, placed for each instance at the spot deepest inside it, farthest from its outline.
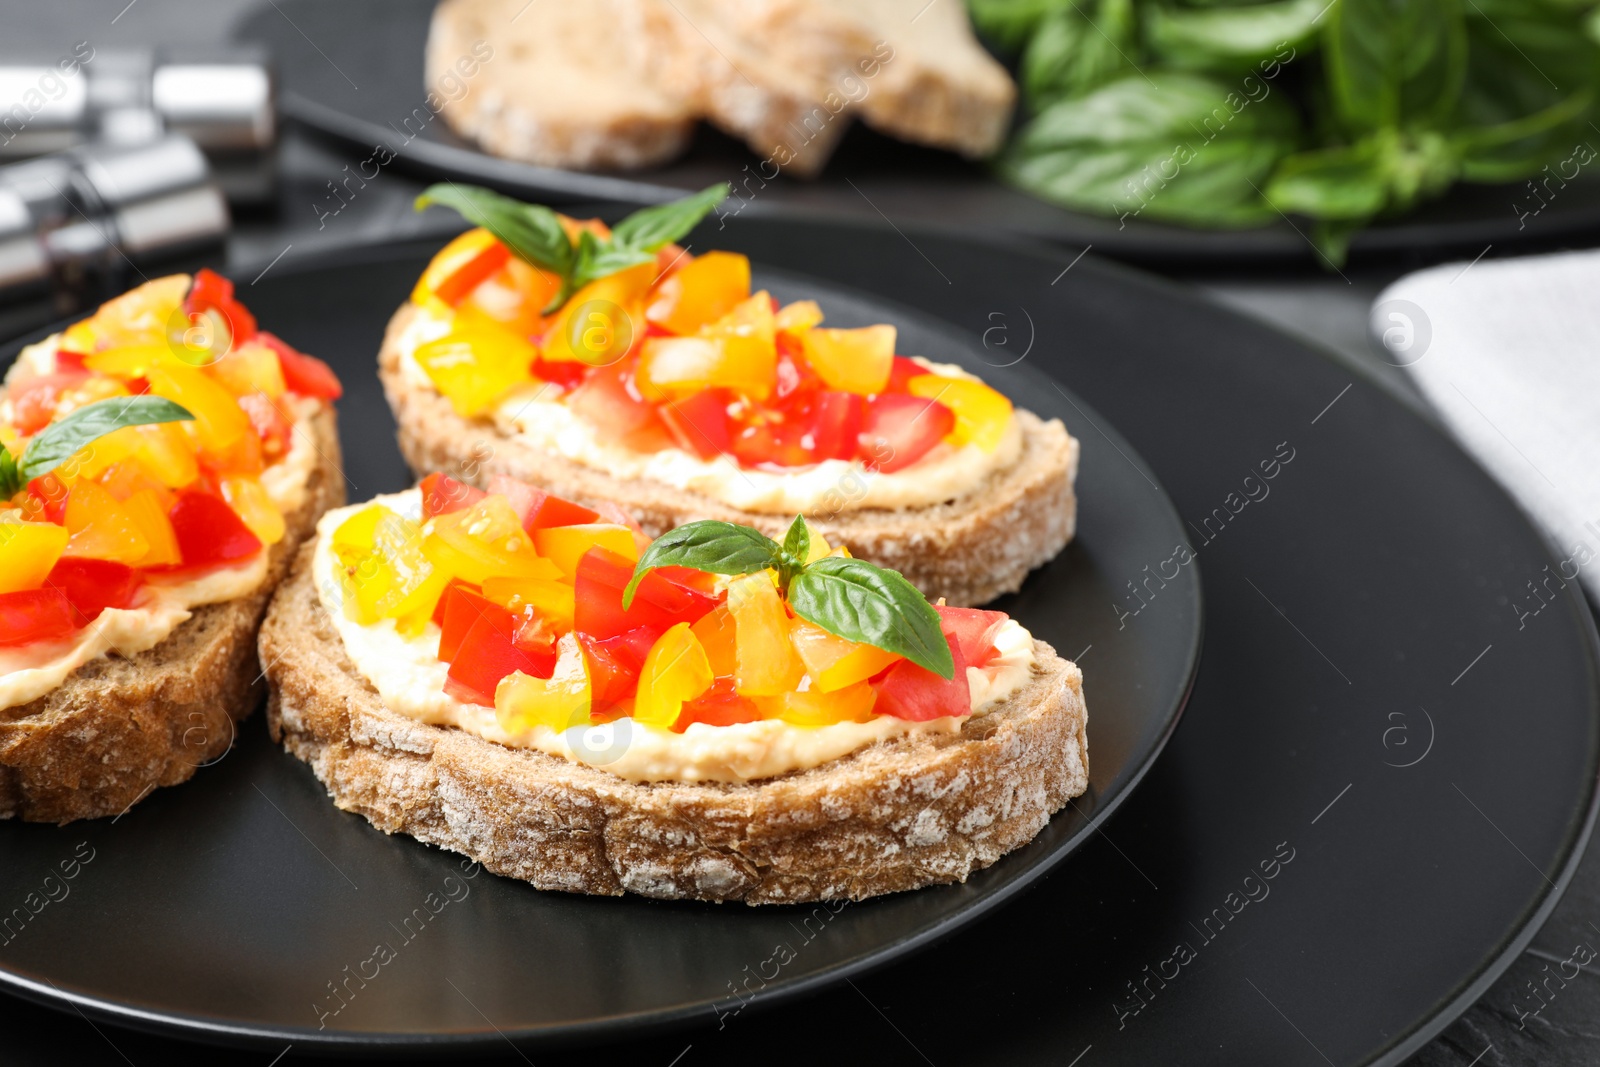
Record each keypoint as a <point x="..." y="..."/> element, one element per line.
<point x="1169" y="145"/>
<point x="11" y="482"/>
<point x="1331" y="183"/>
<point x="1229" y="39"/>
<point x="797" y="542"/>
<point x="1507" y="151"/>
<point x="1390" y="62"/>
<point x="861" y="602"/>
<point x="710" y="546"/>
<point x="1009" y="23"/>
<point x="531" y="231"/>
<point x="598" y="258"/>
<point x="1071" y="54"/>
<point x="58" y="441"/>
<point x="653" y="228"/>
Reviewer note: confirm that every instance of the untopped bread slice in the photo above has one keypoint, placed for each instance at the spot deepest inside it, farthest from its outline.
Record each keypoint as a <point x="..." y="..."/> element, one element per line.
<point x="917" y="810"/>
<point x="969" y="549"/>
<point x="551" y="85"/>
<point x="119" y="727"/>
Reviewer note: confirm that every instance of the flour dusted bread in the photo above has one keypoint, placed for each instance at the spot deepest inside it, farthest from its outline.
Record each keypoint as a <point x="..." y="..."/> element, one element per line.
<point x="118" y="728"/>
<point x="618" y="83"/>
<point x="969" y="550"/>
<point x="918" y="810"/>
<point x="556" y="90"/>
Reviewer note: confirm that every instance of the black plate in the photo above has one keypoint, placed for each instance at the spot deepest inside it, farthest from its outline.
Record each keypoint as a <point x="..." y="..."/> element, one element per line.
<point x="353" y="69"/>
<point x="254" y="892"/>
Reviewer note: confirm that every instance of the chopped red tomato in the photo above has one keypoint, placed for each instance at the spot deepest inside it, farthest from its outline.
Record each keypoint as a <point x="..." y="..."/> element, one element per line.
<point x="614" y="663"/>
<point x="92" y="585"/>
<point x="836" y="421"/>
<point x="459" y="608"/>
<point x="269" y="423"/>
<point x="721" y="705"/>
<point x="908" y="691"/>
<point x="772" y="439"/>
<point x="489" y="652"/>
<point x="973" y="629"/>
<point x="567" y="373"/>
<point x="699" y="423"/>
<point x="34" y="615"/>
<point x="303" y="374"/>
<point x="900" y="429"/>
<point x="212" y="292"/>
<point x="659" y="603"/>
<point x="539" y="508"/>
<point x="442" y="494"/>
<point x="69" y="361"/>
<point x="47" y="497"/>
<point x="443" y="602"/>
<point x="901" y="372"/>
<point x="609" y="399"/>
<point x="209" y="531"/>
<point x="33" y="403"/>
<point x="472" y="273"/>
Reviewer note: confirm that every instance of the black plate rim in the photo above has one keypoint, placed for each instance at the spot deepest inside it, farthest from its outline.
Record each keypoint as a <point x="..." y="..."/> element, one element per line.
<point x="642" y="1024"/>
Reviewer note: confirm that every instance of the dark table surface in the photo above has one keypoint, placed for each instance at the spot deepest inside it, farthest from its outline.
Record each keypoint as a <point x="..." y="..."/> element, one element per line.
<point x="1327" y="309"/>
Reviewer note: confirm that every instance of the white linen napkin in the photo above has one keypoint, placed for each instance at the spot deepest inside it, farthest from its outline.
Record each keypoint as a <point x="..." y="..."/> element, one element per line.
<point x="1508" y="352"/>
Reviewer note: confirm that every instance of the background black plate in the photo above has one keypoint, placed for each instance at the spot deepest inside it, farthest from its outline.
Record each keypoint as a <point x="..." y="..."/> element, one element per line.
<point x="253" y="892"/>
<point x="353" y="69"/>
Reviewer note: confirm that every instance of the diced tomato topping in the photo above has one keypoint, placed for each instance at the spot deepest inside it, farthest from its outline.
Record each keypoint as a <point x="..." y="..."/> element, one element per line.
<point x="908" y="691"/>
<point x="138" y="386"/>
<point x="92" y="585"/>
<point x="899" y="429"/>
<point x="34" y="615"/>
<point x="458" y="610"/>
<point x="69" y="361"/>
<point x="212" y="292"/>
<point x="836" y="422"/>
<point x="774" y="440"/>
<point x="268" y="422"/>
<point x="567" y="373"/>
<point x="209" y="531"/>
<point x="540" y="509"/>
<point x="303" y="374"/>
<point x="444" y="601"/>
<point x="609" y="399"/>
<point x="47" y="496"/>
<point x="442" y="494"/>
<point x="721" y="705"/>
<point x="901" y="372"/>
<point x="973" y="629"/>
<point x="489" y="650"/>
<point x="614" y="663"/>
<point x="33" y="403"/>
<point x="659" y="602"/>
<point x="699" y="424"/>
<point x="473" y="273"/>
<point x="655" y="329"/>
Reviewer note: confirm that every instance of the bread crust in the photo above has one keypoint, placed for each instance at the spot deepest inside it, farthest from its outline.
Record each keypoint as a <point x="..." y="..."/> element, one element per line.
<point x="909" y="812"/>
<point x="117" y="728"/>
<point x="968" y="550"/>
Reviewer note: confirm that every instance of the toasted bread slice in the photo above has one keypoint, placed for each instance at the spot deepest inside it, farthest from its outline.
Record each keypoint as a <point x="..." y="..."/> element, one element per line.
<point x="118" y="728"/>
<point x="917" y="810"/>
<point x="968" y="550"/>
<point x="556" y="91"/>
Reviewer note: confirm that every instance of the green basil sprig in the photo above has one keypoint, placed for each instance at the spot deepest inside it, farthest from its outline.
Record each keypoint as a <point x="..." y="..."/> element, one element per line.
<point x="60" y="440"/>
<point x="848" y="597"/>
<point x="534" y="233"/>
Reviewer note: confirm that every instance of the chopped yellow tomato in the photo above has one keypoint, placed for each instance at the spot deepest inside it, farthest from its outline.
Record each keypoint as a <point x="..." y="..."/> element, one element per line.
<point x="562" y="701"/>
<point x="602" y="321"/>
<point x="27" y="552"/>
<point x="164" y="450"/>
<point x="715" y="629"/>
<point x="148" y="509"/>
<point x="835" y="662"/>
<point x="675" y="670"/>
<point x="101" y="528"/>
<point x="95" y="458"/>
<point x="555" y="602"/>
<point x="819" y="546"/>
<point x="218" y="422"/>
<point x="853" y="703"/>
<point x="249" y="498"/>
<point x="701" y="291"/>
<point x="359" y="531"/>
<point x="485" y="541"/>
<point x="474" y="368"/>
<point x="749" y="338"/>
<point x="799" y="316"/>
<point x="513" y="298"/>
<point x="250" y="368"/>
<point x="767" y="664"/>
<point x="475" y="252"/>
<point x="386" y="572"/>
<point x="855" y="361"/>
<point x="147" y="313"/>
<point x="565" y="545"/>
<point x="129" y="361"/>
<point x="982" y="414"/>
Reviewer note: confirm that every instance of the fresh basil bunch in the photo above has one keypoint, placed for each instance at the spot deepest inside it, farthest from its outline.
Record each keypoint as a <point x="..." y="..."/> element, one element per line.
<point x="57" y="443"/>
<point x="849" y="597"/>
<point x="1220" y="113"/>
<point x="534" y="233"/>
